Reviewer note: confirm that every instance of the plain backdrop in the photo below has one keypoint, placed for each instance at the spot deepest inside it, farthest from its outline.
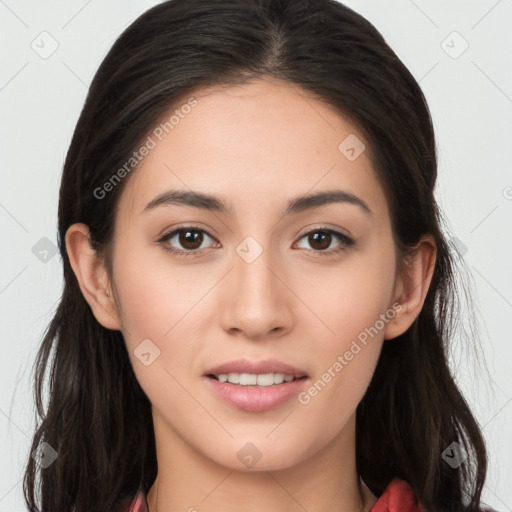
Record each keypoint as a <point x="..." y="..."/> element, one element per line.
<point x="458" y="50"/>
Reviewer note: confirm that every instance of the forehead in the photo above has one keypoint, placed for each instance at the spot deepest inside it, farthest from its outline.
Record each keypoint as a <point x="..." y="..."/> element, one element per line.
<point x="261" y="142"/>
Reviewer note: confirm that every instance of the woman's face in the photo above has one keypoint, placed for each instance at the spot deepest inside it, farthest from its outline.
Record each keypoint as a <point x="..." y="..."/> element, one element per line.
<point x="252" y="280"/>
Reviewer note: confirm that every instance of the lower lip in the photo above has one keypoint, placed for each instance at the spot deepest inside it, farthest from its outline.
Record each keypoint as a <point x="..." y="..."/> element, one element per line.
<point x="256" y="398"/>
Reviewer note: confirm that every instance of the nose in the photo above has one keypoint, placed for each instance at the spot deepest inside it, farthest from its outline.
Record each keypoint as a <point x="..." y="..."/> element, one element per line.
<point x="256" y="299"/>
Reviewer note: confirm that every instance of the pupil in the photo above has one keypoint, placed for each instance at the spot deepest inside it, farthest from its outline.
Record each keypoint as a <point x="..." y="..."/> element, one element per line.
<point x="323" y="236"/>
<point x="191" y="237"/>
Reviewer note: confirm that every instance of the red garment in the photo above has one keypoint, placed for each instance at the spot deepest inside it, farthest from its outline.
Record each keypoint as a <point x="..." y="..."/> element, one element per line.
<point x="397" y="497"/>
<point x="139" y="504"/>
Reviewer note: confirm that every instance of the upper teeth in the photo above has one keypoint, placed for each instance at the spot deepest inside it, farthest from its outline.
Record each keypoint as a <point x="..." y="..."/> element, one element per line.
<point x="250" y="379"/>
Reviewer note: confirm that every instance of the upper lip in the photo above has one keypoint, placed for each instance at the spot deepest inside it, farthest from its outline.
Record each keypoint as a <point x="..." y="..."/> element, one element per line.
<point x="256" y="367"/>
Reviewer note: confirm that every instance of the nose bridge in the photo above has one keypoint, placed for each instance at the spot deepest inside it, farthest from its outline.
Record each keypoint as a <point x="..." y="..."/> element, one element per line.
<point x="258" y="300"/>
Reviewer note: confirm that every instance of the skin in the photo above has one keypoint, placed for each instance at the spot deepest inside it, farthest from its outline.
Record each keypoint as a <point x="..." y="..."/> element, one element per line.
<point x="257" y="146"/>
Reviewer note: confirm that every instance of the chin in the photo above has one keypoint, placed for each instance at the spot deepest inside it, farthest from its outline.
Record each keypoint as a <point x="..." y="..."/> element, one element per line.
<point x="260" y="455"/>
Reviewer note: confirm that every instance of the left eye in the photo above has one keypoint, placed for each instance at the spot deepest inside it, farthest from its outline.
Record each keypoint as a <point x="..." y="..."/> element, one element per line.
<point x="322" y="238"/>
<point x="191" y="240"/>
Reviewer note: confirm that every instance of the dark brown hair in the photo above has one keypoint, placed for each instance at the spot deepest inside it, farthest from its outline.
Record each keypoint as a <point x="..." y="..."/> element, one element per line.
<point x="97" y="418"/>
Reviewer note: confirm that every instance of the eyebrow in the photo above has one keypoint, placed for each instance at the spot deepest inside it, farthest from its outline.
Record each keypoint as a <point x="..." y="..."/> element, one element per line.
<point x="217" y="204"/>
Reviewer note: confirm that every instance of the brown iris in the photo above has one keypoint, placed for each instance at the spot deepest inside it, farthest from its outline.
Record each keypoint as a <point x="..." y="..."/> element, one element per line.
<point x="320" y="237"/>
<point x="190" y="237"/>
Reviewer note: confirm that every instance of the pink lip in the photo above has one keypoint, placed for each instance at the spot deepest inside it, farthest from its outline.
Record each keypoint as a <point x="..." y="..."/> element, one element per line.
<point x="256" y="367"/>
<point x="255" y="398"/>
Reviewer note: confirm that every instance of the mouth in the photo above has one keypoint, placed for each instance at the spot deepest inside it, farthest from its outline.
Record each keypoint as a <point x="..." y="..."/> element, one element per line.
<point x="245" y="372"/>
<point x="255" y="386"/>
<point x="255" y="380"/>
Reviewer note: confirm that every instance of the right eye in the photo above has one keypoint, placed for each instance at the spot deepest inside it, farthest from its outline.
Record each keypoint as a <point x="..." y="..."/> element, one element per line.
<point x="190" y="238"/>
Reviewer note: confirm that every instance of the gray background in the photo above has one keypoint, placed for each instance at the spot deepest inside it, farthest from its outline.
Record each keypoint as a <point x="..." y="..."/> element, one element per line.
<point x="469" y="91"/>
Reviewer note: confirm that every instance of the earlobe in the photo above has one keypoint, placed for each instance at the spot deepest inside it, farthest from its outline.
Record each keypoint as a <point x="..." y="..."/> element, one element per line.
<point x="92" y="277"/>
<point x="412" y="286"/>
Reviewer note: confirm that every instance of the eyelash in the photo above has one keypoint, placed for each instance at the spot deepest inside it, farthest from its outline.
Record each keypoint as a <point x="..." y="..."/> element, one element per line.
<point x="346" y="241"/>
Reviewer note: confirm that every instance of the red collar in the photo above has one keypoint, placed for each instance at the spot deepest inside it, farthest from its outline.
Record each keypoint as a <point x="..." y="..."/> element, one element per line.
<point x="397" y="497"/>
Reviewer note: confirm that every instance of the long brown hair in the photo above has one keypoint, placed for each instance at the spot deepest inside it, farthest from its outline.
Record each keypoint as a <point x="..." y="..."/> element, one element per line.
<point x="97" y="418"/>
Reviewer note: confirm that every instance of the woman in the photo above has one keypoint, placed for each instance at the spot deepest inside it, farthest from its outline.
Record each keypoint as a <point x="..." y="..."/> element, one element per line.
<point x="258" y="295"/>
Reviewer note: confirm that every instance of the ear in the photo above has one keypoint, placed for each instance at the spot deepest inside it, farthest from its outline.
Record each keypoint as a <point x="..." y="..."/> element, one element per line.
<point x="412" y="286"/>
<point x="92" y="276"/>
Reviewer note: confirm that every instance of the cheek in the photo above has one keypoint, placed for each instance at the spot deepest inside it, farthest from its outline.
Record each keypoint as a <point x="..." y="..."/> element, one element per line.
<point x="345" y="361"/>
<point x="163" y="302"/>
<point x="354" y="304"/>
<point x="351" y="297"/>
<point x="155" y="294"/>
<point x="157" y="305"/>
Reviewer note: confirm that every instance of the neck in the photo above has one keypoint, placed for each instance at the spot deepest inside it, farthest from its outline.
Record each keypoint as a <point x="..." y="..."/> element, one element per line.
<point x="189" y="481"/>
